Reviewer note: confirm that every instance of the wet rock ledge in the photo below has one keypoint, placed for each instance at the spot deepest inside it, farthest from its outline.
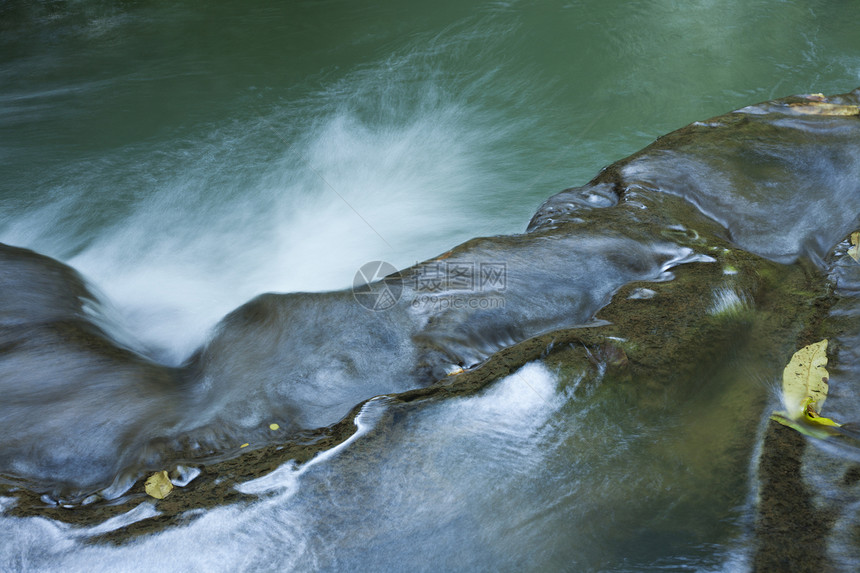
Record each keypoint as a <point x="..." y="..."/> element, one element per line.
<point x="693" y="230"/>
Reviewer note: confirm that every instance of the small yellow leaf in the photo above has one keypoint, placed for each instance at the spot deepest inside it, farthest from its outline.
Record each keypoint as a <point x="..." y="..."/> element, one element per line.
<point x="158" y="485"/>
<point x="812" y="418"/>
<point x="245" y="445"/>
<point x="812" y="431"/>
<point x="854" y="250"/>
<point x="273" y="427"/>
<point x="804" y="380"/>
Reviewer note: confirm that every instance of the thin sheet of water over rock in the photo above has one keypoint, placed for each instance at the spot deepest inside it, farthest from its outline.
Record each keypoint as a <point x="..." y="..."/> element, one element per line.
<point x="747" y="170"/>
<point x="587" y="395"/>
<point x="263" y="363"/>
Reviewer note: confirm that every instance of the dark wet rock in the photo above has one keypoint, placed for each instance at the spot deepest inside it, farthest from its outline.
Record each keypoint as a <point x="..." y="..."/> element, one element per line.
<point x="78" y="410"/>
<point x="35" y="289"/>
<point x="791" y="532"/>
<point x="264" y="362"/>
<point x="640" y="351"/>
<point x="746" y="170"/>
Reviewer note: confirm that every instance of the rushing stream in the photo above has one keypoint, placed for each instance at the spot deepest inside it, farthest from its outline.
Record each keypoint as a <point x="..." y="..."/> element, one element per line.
<point x="572" y="380"/>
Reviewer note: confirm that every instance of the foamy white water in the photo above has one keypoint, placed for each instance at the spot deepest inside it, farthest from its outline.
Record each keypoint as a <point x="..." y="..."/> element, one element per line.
<point x="215" y="225"/>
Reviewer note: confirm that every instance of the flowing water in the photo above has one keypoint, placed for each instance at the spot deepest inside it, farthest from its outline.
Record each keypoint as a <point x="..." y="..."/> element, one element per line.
<point x="185" y="158"/>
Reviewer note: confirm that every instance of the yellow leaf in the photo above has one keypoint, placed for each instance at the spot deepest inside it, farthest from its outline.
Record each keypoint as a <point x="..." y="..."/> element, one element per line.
<point x="812" y="431"/>
<point x="158" y="485"/>
<point x="273" y="427"/>
<point x="804" y="381"/>
<point x="854" y="250"/>
<point x="804" y="390"/>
